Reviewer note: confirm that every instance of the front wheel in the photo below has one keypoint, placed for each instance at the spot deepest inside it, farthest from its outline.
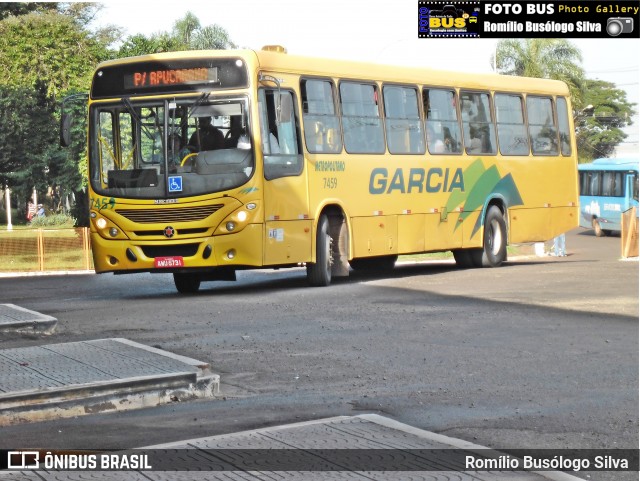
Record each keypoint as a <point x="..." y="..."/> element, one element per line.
<point x="319" y="272"/>
<point x="494" y="250"/>
<point x="186" y="283"/>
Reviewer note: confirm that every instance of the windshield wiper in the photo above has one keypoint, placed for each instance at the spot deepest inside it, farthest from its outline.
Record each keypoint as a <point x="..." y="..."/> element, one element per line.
<point x="194" y="106"/>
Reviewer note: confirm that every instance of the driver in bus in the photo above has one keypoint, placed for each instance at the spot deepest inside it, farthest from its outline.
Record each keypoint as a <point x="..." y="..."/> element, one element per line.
<point x="207" y="137"/>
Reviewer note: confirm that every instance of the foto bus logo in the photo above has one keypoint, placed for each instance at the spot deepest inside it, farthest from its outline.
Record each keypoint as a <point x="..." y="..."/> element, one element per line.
<point x="438" y="19"/>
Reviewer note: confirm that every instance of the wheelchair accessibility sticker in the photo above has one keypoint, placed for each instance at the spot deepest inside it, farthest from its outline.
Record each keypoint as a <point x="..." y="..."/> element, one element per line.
<point x="175" y="183"/>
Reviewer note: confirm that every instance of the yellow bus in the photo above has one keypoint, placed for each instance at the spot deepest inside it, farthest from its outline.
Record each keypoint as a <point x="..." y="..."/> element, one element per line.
<point x="203" y="163"/>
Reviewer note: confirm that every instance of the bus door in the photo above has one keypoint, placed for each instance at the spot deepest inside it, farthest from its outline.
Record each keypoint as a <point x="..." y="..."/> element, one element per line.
<point x="631" y="190"/>
<point x="288" y="229"/>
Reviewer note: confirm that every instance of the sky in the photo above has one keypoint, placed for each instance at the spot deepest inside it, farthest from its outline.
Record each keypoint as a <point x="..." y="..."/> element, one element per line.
<point x="372" y="31"/>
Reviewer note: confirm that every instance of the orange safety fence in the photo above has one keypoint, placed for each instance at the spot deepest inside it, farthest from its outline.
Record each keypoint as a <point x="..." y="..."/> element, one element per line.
<point x="30" y="250"/>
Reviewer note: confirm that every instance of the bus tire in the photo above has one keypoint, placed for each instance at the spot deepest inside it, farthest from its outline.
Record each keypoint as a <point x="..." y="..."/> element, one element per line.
<point x="463" y="258"/>
<point x="494" y="250"/>
<point x="597" y="229"/>
<point x="186" y="283"/>
<point x="319" y="272"/>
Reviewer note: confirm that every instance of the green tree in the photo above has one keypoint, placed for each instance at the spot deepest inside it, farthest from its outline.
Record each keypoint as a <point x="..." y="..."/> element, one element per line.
<point x="22" y="8"/>
<point x="212" y="37"/>
<point x="599" y="128"/>
<point x="44" y="54"/>
<point x="543" y="58"/>
<point x="186" y="34"/>
<point x="183" y="29"/>
<point x="48" y="47"/>
<point x="141" y="45"/>
<point x="26" y="116"/>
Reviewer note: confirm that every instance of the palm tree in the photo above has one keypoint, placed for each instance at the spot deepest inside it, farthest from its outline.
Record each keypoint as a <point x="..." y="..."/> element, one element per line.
<point x="543" y="58"/>
<point x="211" y="37"/>
<point x="184" y="28"/>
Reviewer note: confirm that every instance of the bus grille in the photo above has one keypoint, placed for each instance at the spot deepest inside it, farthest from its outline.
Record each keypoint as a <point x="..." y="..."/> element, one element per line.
<point x="169" y="215"/>
<point x="182" y="250"/>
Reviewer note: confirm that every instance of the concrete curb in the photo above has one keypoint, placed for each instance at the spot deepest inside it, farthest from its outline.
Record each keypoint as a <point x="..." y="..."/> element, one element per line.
<point x="106" y="375"/>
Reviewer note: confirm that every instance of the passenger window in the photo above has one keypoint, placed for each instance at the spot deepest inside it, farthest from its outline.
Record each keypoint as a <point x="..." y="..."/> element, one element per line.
<point x="279" y="134"/>
<point x="361" y="118"/>
<point x="402" y="120"/>
<point x="442" y="126"/>
<point x="612" y="184"/>
<point x="563" y="126"/>
<point x="512" y="131"/>
<point x="542" y="128"/>
<point x="594" y="184"/>
<point x="321" y="123"/>
<point x="584" y="183"/>
<point x="607" y="184"/>
<point x="477" y="123"/>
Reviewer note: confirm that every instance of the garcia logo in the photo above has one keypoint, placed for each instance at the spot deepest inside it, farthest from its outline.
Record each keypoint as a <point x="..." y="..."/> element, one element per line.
<point x="444" y="19"/>
<point x="415" y="180"/>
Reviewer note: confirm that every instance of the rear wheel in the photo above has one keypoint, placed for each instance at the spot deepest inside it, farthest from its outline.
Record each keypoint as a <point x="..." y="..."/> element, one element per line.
<point x="186" y="283"/>
<point x="319" y="272"/>
<point x="597" y="229"/>
<point x="463" y="258"/>
<point x="494" y="250"/>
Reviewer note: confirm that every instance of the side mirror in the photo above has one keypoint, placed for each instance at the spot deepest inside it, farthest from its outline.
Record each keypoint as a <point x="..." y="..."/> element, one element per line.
<point x="65" y="130"/>
<point x="66" y="117"/>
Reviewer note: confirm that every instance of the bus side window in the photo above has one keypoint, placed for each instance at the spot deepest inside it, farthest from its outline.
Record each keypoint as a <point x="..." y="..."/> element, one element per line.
<point x="594" y="184"/>
<point x="477" y="123"/>
<point x="607" y="183"/>
<point x="634" y="181"/>
<point x="402" y="119"/>
<point x="280" y="140"/>
<point x="617" y="189"/>
<point x="441" y="118"/>
<point x="361" y="121"/>
<point x="584" y="183"/>
<point x="563" y="126"/>
<point x="512" y="131"/>
<point x="321" y="123"/>
<point x="542" y="128"/>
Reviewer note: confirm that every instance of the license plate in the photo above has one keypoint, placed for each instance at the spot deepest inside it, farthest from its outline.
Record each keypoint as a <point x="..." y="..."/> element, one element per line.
<point x="168" y="262"/>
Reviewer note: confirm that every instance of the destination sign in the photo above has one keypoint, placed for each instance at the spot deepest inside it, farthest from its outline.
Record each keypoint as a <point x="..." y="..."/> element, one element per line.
<point x="148" y="77"/>
<point x="156" y="78"/>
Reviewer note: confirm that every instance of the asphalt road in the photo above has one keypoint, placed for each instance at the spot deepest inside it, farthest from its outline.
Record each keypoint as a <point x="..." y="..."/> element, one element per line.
<point x="540" y="353"/>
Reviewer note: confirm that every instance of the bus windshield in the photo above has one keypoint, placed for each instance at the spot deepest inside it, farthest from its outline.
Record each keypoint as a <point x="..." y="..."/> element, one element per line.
<point x="169" y="148"/>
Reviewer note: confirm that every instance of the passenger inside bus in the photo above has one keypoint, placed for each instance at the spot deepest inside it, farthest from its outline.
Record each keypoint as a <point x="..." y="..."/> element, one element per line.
<point x="207" y="137"/>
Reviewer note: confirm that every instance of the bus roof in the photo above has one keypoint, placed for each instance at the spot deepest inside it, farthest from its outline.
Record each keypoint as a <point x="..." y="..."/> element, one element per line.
<point x="277" y="61"/>
<point x="621" y="163"/>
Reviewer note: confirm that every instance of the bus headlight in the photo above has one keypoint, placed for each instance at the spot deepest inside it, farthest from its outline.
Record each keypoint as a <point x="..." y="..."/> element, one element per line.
<point x="238" y="220"/>
<point x="105" y="227"/>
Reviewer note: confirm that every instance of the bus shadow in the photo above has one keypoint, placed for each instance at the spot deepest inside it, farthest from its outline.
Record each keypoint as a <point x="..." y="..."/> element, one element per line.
<point x="255" y="282"/>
